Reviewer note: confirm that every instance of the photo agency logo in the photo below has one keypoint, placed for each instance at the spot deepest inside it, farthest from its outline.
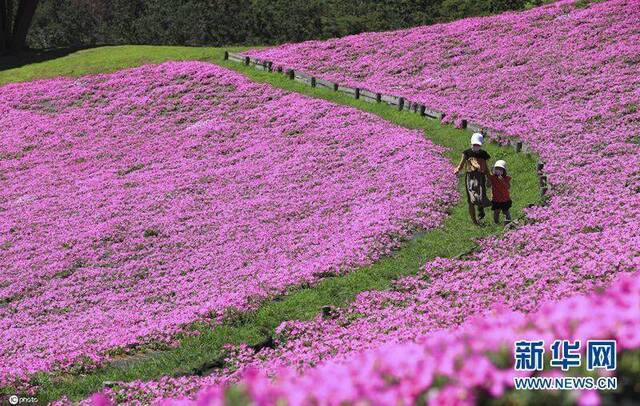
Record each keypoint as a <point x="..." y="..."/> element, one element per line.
<point x="565" y="355"/>
<point x="19" y="400"/>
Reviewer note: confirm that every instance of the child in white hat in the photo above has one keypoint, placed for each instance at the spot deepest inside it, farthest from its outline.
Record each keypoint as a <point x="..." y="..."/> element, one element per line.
<point x="474" y="161"/>
<point x="500" y="197"/>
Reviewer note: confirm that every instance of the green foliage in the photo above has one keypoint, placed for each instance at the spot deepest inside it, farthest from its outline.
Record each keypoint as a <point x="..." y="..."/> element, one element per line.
<point x="585" y="3"/>
<point x="62" y="23"/>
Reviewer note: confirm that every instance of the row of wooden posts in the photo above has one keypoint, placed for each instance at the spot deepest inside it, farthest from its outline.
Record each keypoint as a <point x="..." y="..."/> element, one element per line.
<point x="397" y="102"/>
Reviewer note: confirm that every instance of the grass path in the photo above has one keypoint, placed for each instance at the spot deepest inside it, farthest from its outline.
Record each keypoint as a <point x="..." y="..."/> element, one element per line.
<point x="194" y="354"/>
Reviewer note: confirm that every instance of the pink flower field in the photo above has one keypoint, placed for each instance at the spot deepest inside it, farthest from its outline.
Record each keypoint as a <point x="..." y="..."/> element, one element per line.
<point x="138" y="202"/>
<point x="474" y="360"/>
<point x="564" y="79"/>
<point x="462" y="366"/>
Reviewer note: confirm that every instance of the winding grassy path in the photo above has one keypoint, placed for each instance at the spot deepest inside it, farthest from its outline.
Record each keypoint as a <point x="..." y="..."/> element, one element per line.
<point x="197" y="354"/>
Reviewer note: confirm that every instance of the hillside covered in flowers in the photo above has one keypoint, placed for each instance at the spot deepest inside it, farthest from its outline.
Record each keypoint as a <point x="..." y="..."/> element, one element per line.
<point x="564" y="79"/>
<point x="138" y="202"/>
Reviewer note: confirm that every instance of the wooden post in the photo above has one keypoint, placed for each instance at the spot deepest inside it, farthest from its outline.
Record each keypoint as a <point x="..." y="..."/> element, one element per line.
<point x="357" y="94"/>
<point x="226" y="55"/>
<point x="335" y="87"/>
<point x="543" y="185"/>
<point x="313" y="81"/>
<point x="464" y="123"/>
<point x="247" y="60"/>
<point x="422" y="110"/>
<point x="378" y="97"/>
<point x="543" y="180"/>
<point x="400" y="103"/>
<point x="518" y="146"/>
<point x="291" y="74"/>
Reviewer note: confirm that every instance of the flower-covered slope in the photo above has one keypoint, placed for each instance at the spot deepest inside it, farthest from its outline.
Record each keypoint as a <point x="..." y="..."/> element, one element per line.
<point x="456" y="366"/>
<point x="136" y="202"/>
<point x="564" y="78"/>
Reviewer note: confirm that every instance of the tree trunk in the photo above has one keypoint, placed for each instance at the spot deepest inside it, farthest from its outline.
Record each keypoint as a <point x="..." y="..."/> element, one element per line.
<point x="4" y="27"/>
<point x="24" y="15"/>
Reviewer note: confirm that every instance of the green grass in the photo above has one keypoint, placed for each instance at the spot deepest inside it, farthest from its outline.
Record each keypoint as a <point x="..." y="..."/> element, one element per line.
<point x="101" y="60"/>
<point x="455" y="237"/>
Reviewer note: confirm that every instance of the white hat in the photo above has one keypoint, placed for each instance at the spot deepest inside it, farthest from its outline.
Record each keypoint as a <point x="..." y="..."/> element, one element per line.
<point x="477" y="138"/>
<point x="500" y="164"/>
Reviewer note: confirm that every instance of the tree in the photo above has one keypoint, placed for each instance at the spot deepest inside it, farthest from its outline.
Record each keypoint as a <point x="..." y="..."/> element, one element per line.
<point x="4" y="25"/>
<point x="76" y="23"/>
<point x="14" y="24"/>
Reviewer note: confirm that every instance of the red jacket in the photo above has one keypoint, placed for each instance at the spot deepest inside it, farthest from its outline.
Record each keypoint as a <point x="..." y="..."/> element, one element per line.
<point x="500" y="188"/>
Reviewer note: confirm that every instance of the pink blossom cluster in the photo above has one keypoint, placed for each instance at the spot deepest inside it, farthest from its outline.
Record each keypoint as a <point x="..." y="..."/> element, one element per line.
<point x="453" y="366"/>
<point x="136" y="203"/>
<point x="563" y="78"/>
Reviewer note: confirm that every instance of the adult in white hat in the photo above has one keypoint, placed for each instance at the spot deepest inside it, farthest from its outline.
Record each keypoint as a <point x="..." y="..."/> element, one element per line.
<point x="474" y="162"/>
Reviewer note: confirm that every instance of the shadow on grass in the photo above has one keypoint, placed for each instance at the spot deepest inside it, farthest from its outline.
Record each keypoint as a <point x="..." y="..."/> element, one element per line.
<point x="31" y="56"/>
